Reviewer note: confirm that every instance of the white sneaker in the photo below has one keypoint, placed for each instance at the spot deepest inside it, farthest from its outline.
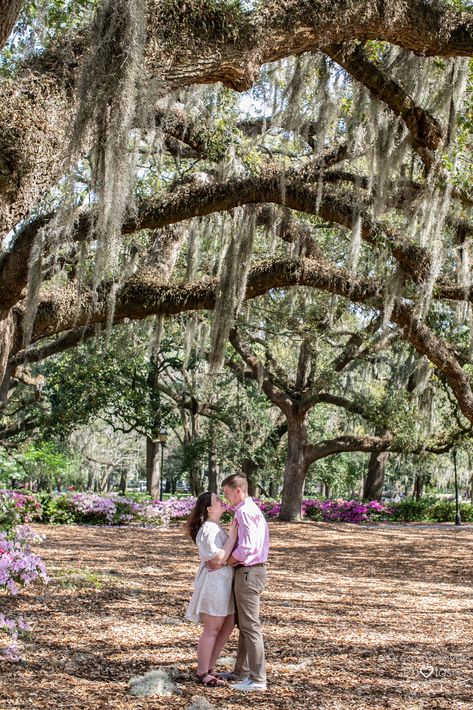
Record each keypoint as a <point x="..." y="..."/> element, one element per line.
<point x="249" y="685"/>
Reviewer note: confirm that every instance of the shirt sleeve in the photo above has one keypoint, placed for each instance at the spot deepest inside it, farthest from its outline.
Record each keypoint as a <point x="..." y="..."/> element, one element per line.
<point x="206" y="543"/>
<point x="244" y="547"/>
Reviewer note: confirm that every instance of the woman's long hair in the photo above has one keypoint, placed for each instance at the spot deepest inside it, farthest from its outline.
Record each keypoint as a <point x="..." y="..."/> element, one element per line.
<point x="199" y="514"/>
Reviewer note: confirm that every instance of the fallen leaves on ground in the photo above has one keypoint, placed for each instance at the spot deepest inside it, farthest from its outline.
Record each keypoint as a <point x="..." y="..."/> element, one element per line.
<point x="355" y="618"/>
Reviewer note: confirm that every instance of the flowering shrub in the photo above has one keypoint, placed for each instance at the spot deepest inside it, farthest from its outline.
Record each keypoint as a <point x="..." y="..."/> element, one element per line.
<point x="115" y="509"/>
<point x="166" y="510"/>
<point x="17" y="508"/>
<point x="91" y="508"/>
<point x="345" y="511"/>
<point x="339" y="510"/>
<point x="18" y="567"/>
<point x="14" y="628"/>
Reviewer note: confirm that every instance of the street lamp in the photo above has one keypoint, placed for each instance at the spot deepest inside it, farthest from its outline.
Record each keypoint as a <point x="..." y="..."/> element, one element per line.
<point x="162" y="437"/>
<point x="457" y="504"/>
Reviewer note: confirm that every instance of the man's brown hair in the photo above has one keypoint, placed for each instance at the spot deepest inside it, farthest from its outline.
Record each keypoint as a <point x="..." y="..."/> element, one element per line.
<point x="236" y="481"/>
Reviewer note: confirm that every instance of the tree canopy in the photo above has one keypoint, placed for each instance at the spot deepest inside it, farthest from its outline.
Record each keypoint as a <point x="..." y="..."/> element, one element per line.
<point x="308" y="157"/>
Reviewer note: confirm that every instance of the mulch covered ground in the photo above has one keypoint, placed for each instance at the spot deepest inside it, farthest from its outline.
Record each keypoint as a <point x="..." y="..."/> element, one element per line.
<point x="355" y="617"/>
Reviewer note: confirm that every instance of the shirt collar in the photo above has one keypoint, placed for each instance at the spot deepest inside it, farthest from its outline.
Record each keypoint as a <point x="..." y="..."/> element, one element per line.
<point x="242" y="503"/>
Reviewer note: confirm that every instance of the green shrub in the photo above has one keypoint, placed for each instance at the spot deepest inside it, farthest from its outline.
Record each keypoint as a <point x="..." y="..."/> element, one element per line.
<point x="443" y="511"/>
<point x="429" y="509"/>
<point x="57" y="509"/>
<point x="314" y="513"/>
<point x="410" y="509"/>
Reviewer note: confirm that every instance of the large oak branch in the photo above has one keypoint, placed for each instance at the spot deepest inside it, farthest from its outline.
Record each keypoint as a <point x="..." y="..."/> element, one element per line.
<point x="142" y="296"/>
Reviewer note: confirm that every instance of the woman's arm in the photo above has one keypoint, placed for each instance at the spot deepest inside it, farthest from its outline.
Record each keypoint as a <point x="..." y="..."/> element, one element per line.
<point x="225" y="551"/>
<point x="209" y="551"/>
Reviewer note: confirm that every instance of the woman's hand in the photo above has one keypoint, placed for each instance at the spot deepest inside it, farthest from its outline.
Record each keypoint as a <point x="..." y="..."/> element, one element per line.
<point x="233" y="530"/>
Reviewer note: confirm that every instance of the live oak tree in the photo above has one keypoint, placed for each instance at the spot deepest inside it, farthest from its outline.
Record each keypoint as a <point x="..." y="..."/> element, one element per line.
<point x="115" y="164"/>
<point x="378" y="398"/>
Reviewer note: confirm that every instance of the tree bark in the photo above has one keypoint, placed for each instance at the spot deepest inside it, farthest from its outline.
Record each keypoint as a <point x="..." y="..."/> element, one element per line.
<point x="374" y="482"/>
<point x="123" y="480"/>
<point x="153" y="467"/>
<point x="9" y="12"/>
<point x="190" y="424"/>
<point x="195" y="479"/>
<point x="418" y="487"/>
<point x="296" y="468"/>
<point x="7" y="337"/>
<point x="250" y="471"/>
<point x="470" y="469"/>
<point x="213" y="461"/>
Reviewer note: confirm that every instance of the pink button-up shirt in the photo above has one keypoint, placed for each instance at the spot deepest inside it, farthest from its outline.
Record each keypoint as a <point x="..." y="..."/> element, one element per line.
<point x="253" y="533"/>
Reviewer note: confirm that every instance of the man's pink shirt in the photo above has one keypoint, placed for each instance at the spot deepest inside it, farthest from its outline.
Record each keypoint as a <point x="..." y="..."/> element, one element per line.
<point x="253" y="533"/>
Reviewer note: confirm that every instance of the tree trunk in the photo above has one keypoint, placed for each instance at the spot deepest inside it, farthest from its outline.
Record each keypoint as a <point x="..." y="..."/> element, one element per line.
<point x="6" y="344"/>
<point x="273" y="489"/>
<point x="104" y="482"/>
<point x="250" y="470"/>
<point x="213" y="463"/>
<point x="123" y="480"/>
<point x="90" y="479"/>
<point x="418" y="487"/>
<point x="110" y="480"/>
<point x="373" y="488"/>
<point x="326" y="490"/>
<point x="296" y="469"/>
<point x="195" y="480"/>
<point x="153" y="467"/>
<point x="9" y="11"/>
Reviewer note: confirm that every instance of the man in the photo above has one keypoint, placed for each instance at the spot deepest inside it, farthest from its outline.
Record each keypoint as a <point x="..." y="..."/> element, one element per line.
<point x="249" y="558"/>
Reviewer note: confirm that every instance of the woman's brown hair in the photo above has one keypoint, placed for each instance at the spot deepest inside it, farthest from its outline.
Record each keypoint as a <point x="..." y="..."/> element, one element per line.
<point x="199" y="514"/>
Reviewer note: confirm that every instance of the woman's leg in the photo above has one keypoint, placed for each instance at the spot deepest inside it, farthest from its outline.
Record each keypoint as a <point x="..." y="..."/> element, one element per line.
<point x="222" y="638"/>
<point x="210" y="632"/>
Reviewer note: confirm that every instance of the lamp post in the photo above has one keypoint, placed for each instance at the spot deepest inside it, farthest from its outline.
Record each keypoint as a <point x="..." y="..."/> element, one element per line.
<point x="162" y="437"/>
<point x="457" y="504"/>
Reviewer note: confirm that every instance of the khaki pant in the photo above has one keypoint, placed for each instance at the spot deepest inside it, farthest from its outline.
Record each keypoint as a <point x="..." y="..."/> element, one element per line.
<point x="248" y="584"/>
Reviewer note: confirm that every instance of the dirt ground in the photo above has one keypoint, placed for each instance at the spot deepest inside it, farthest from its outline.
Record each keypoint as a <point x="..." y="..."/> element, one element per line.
<point x="355" y="618"/>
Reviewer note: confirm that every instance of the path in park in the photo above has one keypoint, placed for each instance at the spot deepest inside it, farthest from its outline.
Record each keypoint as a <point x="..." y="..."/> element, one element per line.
<point x="355" y="617"/>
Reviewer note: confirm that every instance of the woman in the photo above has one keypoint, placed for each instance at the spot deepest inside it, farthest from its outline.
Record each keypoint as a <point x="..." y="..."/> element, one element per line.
<point x="212" y="600"/>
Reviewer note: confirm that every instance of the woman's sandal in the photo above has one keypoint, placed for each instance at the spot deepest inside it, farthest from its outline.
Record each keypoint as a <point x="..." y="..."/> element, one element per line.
<point x="212" y="681"/>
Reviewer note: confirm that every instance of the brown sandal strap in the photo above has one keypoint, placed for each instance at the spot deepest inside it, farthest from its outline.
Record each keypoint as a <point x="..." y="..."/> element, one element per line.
<point x="212" y="682"/>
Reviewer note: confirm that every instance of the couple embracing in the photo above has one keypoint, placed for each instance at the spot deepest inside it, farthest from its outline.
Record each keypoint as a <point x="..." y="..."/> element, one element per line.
<point x="227" y="587"/>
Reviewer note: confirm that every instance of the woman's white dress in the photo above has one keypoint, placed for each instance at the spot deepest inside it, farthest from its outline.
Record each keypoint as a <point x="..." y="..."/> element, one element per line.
<point x="212" y="588"/>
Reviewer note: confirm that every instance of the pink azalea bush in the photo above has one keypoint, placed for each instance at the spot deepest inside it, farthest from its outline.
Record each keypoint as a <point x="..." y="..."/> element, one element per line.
<point x="14" y="629"/>
<point x="332" y="510"/>
<point x="345" y="511"/>
<point x="115" y="509"/>
<point x="92" y="508"/>
<point x="19" y="567"/>
<point x="18" y="508"/>
<point x="164" y="511"/>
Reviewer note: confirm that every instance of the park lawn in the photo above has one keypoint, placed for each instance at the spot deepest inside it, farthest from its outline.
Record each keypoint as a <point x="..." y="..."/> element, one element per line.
<point x="355" y="617"/>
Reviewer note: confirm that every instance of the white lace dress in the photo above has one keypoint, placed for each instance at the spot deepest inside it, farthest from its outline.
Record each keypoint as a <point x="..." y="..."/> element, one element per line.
<point x="212" y="588"/>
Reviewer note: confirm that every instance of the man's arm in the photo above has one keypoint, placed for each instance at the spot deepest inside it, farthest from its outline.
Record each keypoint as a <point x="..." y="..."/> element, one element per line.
<point x="221" y="559"/>
<point x="244" y="547"/>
